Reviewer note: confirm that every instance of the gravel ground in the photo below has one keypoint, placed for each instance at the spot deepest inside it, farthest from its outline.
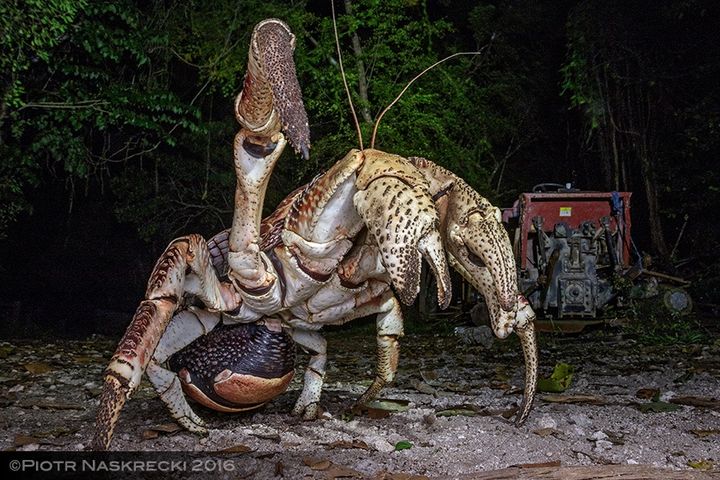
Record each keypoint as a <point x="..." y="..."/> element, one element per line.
<point x="451" y="395"/>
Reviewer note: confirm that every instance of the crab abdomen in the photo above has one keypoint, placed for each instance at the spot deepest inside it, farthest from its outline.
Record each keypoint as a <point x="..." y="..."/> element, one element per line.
<point x="236" y="368"/>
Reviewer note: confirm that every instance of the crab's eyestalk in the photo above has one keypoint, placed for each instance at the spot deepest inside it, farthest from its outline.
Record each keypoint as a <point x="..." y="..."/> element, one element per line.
<point x="271" y="99"/>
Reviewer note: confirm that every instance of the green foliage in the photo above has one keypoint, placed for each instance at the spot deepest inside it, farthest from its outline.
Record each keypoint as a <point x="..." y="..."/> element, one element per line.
<point x="141" y="93"/>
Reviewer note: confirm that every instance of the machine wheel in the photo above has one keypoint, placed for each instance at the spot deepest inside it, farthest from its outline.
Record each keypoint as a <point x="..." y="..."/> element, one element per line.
<point x="677" y="301"/>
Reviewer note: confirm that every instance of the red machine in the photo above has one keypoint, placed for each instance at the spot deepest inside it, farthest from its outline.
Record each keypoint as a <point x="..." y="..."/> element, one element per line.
<point x="569" y="247"/>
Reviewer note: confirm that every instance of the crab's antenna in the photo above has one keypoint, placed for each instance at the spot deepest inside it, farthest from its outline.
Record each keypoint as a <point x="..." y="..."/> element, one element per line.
<point x="377" y="123"/>
<point x="342" y="72"/>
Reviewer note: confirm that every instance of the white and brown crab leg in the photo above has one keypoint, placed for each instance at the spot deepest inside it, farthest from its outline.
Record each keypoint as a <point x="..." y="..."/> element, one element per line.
<point x="184" y="267"/>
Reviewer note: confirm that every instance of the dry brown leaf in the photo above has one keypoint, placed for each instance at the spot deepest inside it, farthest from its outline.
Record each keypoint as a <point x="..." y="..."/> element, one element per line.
<point x="236" y="449"/>
<point x="704" y="433"/>
<point x="150" y="434"/>
<point x="589" y="399"/>
<point x="167" y="428"/>
<point x="546" y="432"/>
<point x="693" y="401"/>
<point x="21" y="440"/>
<point x="404" y="476"/>
<point x="553" y="463"/>
<point x="339" y="471"/>
<point x="37" y="368"/>
<point x="647" y="393"/>
<point x="376" y="413"/>
<point x="279" y="469"/>
<point x="317" y="463"/>
<point x="345" y="444"/>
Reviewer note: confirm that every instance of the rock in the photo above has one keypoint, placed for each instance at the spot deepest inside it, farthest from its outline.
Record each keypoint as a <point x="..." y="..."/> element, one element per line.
<point x="602" y="445"/>
<point x="547" y="421"/>
<point x="599" y="435"/>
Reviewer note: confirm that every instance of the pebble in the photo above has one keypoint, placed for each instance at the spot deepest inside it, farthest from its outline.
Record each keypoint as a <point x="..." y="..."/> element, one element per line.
<point x="547" y="421"/>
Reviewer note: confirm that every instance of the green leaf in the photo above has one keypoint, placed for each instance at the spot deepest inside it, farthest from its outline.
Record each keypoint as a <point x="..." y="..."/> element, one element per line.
<point x="559" y="381"/>
<point x="403" y="445"/>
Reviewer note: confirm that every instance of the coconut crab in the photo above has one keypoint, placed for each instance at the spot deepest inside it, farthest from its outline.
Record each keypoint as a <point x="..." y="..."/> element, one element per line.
<point x="347" y="245"/>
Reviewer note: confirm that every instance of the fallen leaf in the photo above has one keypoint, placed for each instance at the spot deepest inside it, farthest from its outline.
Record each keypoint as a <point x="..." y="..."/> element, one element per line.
<point x="704" y="433"/>
<point x="403" y="445"/>
<point x="37" y="368"/>
<point x="656" y="407"/>
<point x="697" y="402"/>
<point x="559" y="381"/>
<point x="167" y="428"/>
<point x="279" y="469"/>
<point x="317" y="463"/>
<point x="390" y="405"/>
<point x="339" y="471"/>
<point x="155" y="431"/>
<point x="423" y="387"/>
<point x="46" y="405"/>
<point x="453" y="412"/>
<point x="404" y="476"/>
<point x="21" y="440"/>
<point x="236" y="449"/>
<point x="648" y="393"/>
<point x="553" y="463"/>
<point x="546" y="432"/>
<point x="589" y="399"/>
<point x="429" y="375"/>
<point x="348" y="445"/>
<point x="701" y="464"/>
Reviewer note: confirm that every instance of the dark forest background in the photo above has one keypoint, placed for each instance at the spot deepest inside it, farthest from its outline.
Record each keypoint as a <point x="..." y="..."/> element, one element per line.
<point x="116" y="124"/>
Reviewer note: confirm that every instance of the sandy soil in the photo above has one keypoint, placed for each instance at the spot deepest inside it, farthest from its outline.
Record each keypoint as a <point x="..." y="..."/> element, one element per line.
<point x="452" y="392"/>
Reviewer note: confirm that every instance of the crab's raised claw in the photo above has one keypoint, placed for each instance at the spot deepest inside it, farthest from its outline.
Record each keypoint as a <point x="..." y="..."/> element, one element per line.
<point x="271" y="99"/>
<point x="394" y="201"/>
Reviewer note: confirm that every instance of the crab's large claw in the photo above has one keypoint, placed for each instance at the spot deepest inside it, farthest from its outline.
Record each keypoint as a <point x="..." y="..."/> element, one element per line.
<point x="479" y="249"/>
<point x="394" y="201"/>
<point x="271" y="99"/>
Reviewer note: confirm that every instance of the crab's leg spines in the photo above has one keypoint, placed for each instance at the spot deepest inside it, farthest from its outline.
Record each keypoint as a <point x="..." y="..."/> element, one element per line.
<point x="390" y="328"/>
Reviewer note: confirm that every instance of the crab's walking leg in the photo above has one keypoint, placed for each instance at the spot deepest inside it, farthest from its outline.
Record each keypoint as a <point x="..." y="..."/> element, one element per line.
<point x="184" y="328"/>
<point x="389" y="329"/>
<point x="307" y="403"/>
<point x="168" y="283"/>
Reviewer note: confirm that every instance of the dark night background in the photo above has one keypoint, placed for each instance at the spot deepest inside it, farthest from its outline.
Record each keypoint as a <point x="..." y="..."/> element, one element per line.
<point x="116" y="125"/>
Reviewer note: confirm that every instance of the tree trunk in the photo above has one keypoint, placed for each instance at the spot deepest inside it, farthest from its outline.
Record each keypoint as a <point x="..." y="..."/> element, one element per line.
<point x="362" y="79"/>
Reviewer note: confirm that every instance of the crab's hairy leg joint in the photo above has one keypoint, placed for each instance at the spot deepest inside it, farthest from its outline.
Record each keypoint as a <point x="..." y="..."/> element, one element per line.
<point x="307" y="404"/>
